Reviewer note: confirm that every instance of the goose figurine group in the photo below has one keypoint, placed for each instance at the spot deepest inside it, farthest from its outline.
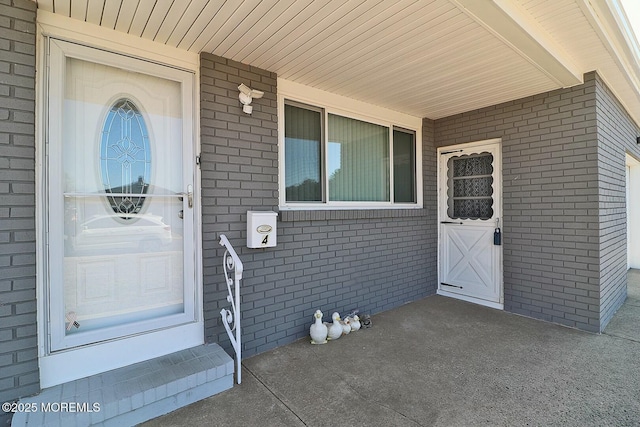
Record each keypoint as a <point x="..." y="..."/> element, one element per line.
<point x="321" y="332"/>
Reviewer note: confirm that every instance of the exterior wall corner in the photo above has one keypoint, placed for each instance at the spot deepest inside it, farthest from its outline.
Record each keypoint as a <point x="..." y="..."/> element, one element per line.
<point x="617" y="133"/>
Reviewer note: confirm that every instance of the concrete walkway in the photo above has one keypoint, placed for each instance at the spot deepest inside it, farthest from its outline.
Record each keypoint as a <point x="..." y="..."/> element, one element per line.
<point x="441" y="362"/>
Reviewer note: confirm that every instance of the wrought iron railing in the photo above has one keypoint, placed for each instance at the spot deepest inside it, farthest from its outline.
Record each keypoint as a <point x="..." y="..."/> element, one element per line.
<point x="231" y="318"/>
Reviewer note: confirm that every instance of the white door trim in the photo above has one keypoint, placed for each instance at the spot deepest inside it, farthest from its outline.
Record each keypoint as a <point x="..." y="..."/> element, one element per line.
<point x="632" y="166"/>
<point x="59" y="367"/>
<point x="74" y="30"/>
<point x="497" y="143"/>
<point x="62" y="367"/>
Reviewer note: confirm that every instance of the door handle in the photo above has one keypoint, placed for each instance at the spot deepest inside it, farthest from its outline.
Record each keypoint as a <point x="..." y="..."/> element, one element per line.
<point x="189" y="195"/>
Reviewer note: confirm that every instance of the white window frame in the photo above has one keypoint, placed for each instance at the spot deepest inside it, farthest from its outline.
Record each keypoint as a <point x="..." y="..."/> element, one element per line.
<point x="353" y="109"/>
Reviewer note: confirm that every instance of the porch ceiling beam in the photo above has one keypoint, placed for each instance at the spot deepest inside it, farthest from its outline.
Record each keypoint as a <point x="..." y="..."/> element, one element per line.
<point x="519" y="31"/>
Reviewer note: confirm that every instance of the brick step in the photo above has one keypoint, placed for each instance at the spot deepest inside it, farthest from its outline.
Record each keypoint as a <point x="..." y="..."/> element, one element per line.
<point x="133" y="394"/>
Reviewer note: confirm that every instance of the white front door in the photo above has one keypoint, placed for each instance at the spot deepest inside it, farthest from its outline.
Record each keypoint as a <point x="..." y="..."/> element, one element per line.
<point x="470" y="232"/>
<point x="120" y="212"/>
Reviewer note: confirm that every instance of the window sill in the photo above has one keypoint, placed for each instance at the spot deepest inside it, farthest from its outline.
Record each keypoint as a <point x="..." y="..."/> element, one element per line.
<point x="329" y="215"/>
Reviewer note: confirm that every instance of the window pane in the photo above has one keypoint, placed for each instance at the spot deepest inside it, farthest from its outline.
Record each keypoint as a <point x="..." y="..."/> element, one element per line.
<point x="358" y="156"/>
<point x="125" y="157"/>
<point x="303" y="153"/>
<point x="470" y="187"/>
<point x="404" y="169"/>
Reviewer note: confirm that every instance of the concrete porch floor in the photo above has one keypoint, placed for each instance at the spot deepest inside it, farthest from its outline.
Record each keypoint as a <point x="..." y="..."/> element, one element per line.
<point x="441" y="362"/>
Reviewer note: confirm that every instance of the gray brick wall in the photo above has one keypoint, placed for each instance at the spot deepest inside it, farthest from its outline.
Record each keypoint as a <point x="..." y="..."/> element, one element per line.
<point x="18" y="344"/>
<point x="617" y="135"/>
<point x="333" y="260"/>
<point x="564" y="211"/>
<point x="551" y="205"/>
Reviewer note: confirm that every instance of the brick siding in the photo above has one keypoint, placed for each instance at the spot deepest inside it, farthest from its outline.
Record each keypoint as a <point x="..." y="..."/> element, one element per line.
<point x="617" y="134"/>
<point x="372" y="260"/>
<point x="18" y="343"/>
<point x="550" y="200"/>
<point x="564" y="199"/>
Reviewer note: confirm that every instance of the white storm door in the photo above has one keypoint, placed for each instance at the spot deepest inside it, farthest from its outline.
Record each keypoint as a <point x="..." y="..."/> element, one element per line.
<point x="120" y="220"/>
<point x="470" y="261"/>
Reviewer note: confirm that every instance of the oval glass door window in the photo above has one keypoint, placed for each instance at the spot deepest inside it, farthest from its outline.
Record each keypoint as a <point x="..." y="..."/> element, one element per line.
<point x="125" y="158"/>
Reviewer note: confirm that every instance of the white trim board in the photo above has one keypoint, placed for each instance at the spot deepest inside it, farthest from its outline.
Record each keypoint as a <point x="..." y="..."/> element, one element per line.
<point x="64" y="366"/>
<point x="350" y="106"/>
<point x="490" y="304"/>
<point x="73" y="30"/>
<point x="632" y="168"/>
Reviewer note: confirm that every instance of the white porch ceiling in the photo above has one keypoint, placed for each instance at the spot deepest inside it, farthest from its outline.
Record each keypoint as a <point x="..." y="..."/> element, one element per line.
<point x="427" y="58"/>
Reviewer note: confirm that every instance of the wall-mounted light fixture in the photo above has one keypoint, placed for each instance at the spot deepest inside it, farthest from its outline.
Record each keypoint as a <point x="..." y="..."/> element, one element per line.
<point x="247" y="95"/>
<point x="638" y="140"/>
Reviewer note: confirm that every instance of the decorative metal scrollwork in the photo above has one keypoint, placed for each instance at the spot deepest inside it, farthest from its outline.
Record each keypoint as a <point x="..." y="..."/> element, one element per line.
<point x="229" y="266"/>
<point x="231" y="318"/>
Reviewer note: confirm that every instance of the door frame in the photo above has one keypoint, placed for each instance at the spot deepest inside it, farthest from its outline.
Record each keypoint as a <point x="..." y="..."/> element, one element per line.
<point x="496" y="142"/>
<point x="632" y="172"/>
<point x="67" y="365"/>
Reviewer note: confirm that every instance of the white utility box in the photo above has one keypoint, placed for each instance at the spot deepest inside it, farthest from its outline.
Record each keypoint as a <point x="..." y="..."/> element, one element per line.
<point x="261" y="229"/>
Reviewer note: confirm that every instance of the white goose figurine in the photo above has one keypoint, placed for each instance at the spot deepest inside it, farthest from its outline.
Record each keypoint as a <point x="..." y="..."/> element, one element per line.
<point x="318" y="331"/>
<point x="346" y="326"/>
<point x="335" y="328"/>
<point x="355" y="323"/>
